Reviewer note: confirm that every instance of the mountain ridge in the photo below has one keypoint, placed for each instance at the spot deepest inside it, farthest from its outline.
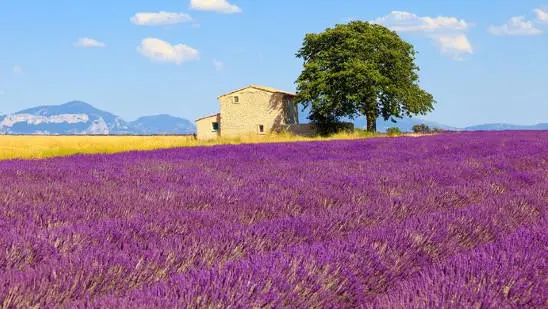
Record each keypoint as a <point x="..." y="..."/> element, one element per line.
<point x="506" y="126"/>
<point x="81" y="118"/>
<point x="164" y="123"/>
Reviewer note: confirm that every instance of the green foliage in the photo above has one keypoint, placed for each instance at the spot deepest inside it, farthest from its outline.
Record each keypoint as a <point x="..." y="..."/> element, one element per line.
<point x="359" y="69"/>
<point x="326" y="124"/>
<point x="421" y="128"/>
<point x="394" y="131"/>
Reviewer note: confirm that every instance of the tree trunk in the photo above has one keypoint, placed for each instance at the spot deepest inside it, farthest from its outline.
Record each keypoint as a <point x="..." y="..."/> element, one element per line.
<point x="371" y="119"/>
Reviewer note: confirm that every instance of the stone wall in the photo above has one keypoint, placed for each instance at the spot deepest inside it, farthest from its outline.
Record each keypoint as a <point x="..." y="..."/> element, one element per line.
<point x="204" y="127"/>
<point x="255" y="107"/>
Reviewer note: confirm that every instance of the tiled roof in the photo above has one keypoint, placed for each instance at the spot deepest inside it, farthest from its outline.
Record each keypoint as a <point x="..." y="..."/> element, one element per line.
<point x="264" y="88"/>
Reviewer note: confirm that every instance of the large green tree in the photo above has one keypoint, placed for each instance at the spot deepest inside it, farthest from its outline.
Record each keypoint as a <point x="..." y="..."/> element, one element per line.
<point x="360" y="69"/>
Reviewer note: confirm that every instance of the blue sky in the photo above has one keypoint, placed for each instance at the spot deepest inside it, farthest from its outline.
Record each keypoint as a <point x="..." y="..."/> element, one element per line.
<point x="484" y="61"/>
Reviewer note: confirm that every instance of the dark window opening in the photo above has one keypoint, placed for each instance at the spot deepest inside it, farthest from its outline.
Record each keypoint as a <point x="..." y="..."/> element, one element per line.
<point x="261" y="129"/>
<point x="215" y="126"/>
<point x="236" y="99"/>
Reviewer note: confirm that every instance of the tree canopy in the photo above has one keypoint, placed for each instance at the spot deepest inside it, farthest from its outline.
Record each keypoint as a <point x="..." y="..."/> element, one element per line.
<point x="360" y="69"/>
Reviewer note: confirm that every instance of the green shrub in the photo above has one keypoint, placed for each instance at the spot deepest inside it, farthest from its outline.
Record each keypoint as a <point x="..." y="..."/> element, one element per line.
<point x="393" y="131"/>
<point x="421" y="128"/>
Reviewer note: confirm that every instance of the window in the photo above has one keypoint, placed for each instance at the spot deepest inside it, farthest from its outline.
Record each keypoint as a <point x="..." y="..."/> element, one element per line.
<point x="260" y="129"/>
<point x="236" y="99"/>
<point x="215" y="126"/>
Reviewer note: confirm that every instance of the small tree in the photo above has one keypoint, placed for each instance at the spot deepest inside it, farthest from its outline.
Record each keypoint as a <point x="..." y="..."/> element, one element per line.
<point x="421" y="128"/>
<point x="359" y="69"/>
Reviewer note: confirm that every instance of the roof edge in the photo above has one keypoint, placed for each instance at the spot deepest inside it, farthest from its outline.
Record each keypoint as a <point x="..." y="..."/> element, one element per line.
<point x="208" y="116"/>
<point x="263" y="88"/>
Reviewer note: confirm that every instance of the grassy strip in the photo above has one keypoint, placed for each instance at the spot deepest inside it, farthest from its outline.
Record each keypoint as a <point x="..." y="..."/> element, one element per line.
<point x="39" y="147"/>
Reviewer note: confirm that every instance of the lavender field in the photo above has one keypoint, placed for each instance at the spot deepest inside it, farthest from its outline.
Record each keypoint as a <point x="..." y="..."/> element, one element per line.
<point x="451" y="220"/>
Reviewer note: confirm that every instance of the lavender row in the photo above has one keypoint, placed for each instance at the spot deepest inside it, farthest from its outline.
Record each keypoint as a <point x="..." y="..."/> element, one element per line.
<point x="384" y="269"/>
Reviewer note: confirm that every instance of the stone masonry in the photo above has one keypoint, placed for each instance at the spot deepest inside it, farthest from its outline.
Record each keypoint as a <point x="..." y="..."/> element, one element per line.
<point x="253" y="110"/>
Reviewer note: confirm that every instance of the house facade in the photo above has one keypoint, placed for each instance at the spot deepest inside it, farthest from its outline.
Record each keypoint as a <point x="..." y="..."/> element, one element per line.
<point x="253" y="110"/>
<point x="208" y="127"/>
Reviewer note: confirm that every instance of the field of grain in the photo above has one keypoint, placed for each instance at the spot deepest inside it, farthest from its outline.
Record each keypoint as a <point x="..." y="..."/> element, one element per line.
<point x="39" y="147"/>
<point x="450" y="220"/>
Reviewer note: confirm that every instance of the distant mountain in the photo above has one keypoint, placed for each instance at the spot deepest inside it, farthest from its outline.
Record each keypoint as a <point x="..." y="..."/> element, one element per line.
<point x="81" y="118"/>
<point x="406" y="125"/>
<point x="70" y="118"/>
<point x="506" y="126"/>
<point x="162" y="124"/>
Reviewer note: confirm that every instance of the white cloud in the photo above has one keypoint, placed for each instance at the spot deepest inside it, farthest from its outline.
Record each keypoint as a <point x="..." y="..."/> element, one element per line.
<point x="160" y="18"/>
<point x="161" y="51"/>
<point x="517" y="25"/>
<point x="87" y="42"/>
<point x="542" y="15"/>
<point x="17" y="69"/>
<point x="409" y="22"/>
<point x="454" y="45"/>
<point x="447" y="32"/>
<point x="219" y="6"/>
<point x="219" y="65"/>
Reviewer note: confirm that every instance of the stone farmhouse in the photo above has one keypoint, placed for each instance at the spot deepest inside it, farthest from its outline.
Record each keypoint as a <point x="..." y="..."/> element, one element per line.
<point x="253" y="110"/>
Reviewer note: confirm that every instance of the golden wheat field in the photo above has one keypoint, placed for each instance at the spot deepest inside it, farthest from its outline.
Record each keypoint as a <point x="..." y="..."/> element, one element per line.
<point x="39" y="147"/>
